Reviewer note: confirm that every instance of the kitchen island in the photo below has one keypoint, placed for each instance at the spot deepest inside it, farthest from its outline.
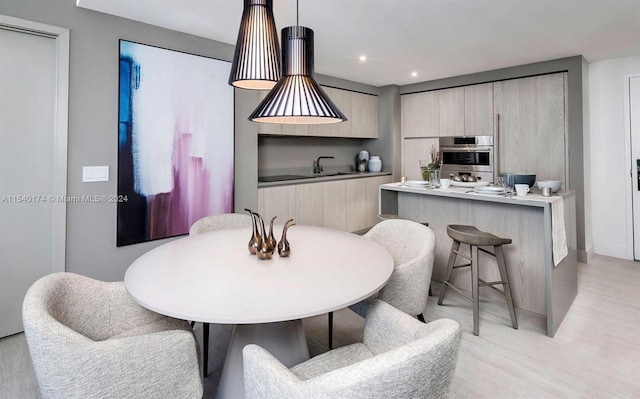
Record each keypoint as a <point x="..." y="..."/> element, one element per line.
<point x="538" y="285"/>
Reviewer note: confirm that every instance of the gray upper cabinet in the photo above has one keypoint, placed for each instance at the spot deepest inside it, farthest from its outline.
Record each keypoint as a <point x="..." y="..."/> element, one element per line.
<point x="531" y="131"/>
<point x="451" y="112"/>
<point x="478" y="110"/>
<point x="370" y="117"/>
<point x="360" y="109"/>
<point x="457" y="111"/>
<point x="420" y="114"/>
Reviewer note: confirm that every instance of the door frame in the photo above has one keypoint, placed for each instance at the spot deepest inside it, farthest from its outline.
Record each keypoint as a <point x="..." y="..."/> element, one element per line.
<point x="632" y="170"/>
<point x="61" y="128"/>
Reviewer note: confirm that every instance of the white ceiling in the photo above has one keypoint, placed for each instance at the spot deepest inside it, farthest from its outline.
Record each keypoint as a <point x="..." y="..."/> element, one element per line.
<point x="435" y="38"/>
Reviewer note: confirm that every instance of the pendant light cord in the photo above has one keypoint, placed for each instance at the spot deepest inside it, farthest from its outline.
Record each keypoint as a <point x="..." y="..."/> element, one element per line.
<point x="297" y="14"/>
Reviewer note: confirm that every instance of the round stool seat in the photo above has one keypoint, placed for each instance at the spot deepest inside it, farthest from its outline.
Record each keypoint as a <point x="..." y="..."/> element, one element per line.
<point x="472" y="236"/>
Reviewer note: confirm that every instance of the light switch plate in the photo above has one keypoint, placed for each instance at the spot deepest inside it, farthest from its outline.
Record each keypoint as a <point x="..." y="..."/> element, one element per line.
<point x="92" y="174"/>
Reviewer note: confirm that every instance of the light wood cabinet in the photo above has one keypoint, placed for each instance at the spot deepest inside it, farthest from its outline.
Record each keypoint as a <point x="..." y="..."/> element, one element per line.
<point x="373" y="198"/>
<point x="277" y="201"/>
<point x="451" y="112"/>
<point x="458" y="111"/>
<point x="349" y="205"/>
<point x="478" y="110"/>
<point x="358" y="199"/>
<point x="308" y="200"/>
<point x="531" y="131"/>
<point x="335" y="204"/>
<point x="360" y="109"/>
<point x="370" y="118"/>
<point x="414" y="150"/>
<point x="420" y="114"/>
<point x="342" y="99"/>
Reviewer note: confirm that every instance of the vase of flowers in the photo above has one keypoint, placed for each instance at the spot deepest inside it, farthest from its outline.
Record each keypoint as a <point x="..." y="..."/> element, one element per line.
<point x="430" y="169"/>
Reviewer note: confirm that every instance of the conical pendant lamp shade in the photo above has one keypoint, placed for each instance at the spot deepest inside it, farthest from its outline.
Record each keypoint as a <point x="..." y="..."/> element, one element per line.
<point x="297" y="98"/>
<point x="256" y="62"/>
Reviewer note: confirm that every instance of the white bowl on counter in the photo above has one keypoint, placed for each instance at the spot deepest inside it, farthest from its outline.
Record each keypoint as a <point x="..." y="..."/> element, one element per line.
<point x="554" y="185"/>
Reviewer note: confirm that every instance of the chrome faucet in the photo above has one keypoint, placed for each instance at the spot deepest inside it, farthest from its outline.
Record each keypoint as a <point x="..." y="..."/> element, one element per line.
<point x="317" y="168"/>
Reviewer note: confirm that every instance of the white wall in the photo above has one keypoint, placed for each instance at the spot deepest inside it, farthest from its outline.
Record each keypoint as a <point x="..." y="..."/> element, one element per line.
<point x="609" y="168"/>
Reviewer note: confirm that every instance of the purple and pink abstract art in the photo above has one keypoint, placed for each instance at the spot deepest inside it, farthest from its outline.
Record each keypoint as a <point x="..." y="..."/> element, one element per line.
<point x="175" y="141"/>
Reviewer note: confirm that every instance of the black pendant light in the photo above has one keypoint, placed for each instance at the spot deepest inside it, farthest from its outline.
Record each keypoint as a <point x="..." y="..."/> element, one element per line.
<point x="256" y="62"/>
<point x="297" y="98"/>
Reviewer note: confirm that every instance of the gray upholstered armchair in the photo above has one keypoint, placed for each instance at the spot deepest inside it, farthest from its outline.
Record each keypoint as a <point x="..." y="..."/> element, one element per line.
<point x="399" y="358"/>
<point x="412" y="246"/>
<point x="219" y="222"/>
<point x="89" y="339"/>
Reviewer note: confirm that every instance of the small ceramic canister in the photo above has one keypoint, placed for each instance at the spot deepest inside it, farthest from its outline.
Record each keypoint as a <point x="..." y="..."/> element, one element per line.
<point x="546" y="191"/>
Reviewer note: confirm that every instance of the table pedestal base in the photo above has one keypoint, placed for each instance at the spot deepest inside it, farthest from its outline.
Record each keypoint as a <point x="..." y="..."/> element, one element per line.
<point x="284" y="340"/>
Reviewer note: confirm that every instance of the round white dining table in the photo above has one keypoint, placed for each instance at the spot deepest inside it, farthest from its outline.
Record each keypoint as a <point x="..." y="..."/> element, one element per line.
<point x="213" y="278"/>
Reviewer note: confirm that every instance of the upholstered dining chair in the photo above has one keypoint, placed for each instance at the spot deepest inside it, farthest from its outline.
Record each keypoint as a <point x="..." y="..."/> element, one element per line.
<point x="400" y="357"/>
<point x="219" y="222"/>
<point x="412" y="246"/>
<point x="209" y="223"/>
<point x="89" y="339"/>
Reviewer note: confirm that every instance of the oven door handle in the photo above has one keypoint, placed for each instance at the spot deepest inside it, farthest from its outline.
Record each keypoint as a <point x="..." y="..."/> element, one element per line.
<point x="496" y="154"/>
<point x="458" y="149"/>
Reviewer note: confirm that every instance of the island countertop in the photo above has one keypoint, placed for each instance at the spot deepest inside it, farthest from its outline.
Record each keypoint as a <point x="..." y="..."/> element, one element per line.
<point x="532" y="199"/>
<point x="541" y="282"/>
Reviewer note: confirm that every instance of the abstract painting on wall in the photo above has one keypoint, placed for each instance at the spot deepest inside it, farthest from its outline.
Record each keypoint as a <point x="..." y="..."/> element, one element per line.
<point x="175" y="142"/>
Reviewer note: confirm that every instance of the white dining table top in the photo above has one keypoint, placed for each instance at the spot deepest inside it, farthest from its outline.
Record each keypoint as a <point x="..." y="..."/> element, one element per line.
<point x="213" y="278"/>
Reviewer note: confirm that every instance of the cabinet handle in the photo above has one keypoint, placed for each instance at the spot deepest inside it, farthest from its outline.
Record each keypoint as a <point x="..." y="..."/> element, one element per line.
<point x="638" y="172"/>
<point x="496" y="150"/>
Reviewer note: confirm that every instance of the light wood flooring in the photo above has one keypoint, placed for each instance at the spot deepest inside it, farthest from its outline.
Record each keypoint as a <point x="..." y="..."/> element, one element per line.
<point x="595" y="353"/>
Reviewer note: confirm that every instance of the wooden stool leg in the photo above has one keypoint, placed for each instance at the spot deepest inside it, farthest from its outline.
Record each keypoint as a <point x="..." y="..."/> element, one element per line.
<point x="506" y="286"/>
<point x="474" y="290"/>
<point x="449" y="270"/>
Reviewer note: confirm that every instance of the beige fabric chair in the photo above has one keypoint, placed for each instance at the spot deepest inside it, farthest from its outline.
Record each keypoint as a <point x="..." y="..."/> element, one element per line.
<point x="219" y="222"/>
<point x="400" y="357"/>
<point x="412" y="246"/>
<point x="89" y="339"/>
<point x="210" y="223"/>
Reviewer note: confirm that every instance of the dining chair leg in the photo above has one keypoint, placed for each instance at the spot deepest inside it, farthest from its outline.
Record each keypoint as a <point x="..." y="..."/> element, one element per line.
<point x="421" y="318"/>
<point x="330" y="330"/>
<point x="205" y="352"/>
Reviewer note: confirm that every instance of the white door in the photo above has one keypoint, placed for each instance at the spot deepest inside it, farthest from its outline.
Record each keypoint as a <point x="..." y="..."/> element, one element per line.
<point x="33" y="79"/>
<point x="634" y="123"/>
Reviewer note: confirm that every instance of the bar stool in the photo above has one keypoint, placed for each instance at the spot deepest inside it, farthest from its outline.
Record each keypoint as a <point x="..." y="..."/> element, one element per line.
<point x="475" y="238"/>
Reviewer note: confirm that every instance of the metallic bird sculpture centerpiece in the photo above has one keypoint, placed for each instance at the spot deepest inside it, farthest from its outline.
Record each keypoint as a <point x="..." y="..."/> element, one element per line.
<point x="263" y="244"/>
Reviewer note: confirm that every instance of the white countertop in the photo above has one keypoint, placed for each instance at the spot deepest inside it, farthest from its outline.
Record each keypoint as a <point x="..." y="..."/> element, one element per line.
<point x="323" y="178"/>
<point x="532" y="199"/>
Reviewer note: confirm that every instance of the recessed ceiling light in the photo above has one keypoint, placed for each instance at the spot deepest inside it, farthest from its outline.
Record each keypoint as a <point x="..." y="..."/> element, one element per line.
<point x="363" y="58"/>
<point x="414" y="74"/>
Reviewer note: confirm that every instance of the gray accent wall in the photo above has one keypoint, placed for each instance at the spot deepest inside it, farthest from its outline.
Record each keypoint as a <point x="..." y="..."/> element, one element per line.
<point x="389" y="144"/>
<point x="93" y="125"/>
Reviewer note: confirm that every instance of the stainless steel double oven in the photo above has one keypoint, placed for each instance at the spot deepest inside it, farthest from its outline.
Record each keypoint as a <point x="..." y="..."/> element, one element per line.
<point x="468" y="155"/>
